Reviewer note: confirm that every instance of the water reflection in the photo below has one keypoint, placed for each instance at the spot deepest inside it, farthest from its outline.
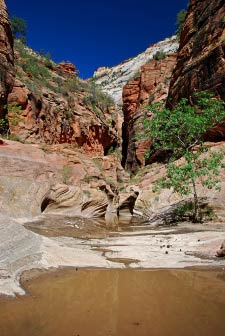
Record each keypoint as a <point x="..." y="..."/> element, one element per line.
<point x="55" y="225"/>
<point x="118" y="303"/>
<point x="112" y="221"/>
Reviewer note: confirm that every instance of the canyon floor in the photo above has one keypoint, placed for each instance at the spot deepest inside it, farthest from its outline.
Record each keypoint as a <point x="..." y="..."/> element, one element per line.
<point x="130" y="244"/>
<point x="57" y="210"/>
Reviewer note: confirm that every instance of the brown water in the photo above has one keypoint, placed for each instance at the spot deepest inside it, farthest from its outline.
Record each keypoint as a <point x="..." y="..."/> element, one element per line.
<point x="56" y="226"/>
<point x="118" y="302"/>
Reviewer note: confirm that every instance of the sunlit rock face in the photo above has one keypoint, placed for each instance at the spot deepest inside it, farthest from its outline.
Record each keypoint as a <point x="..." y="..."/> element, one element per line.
<point x="201" y="56"/>
<point x="112" y="79"/>
<point x="6" y="57"/>
<point x="150" y="87"/>
<point x="54" y="178"/>
<point x="57" y="108"/>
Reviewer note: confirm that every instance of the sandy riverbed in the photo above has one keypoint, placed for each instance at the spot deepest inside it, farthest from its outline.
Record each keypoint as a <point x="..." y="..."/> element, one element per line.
<point x="135" y="247"/>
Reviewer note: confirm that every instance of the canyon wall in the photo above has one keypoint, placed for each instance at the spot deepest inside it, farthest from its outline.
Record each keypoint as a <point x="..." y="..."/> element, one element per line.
<point x="201" y="56"/>
<point x="200" y="66"/>
<point x="150" y="87"/>
<point x="112" y="79"/>
<point x="49" y="104"/>
<point x="6" y="58"/>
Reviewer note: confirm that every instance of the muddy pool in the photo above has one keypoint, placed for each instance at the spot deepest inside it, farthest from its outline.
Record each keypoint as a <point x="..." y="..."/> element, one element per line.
<point x="91" y="302"/>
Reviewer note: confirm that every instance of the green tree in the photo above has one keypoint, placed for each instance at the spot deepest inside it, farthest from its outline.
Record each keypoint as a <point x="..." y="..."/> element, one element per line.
<point x="181" y="131"/>
<point x="19" y="28"/>
<point x="180" y="21"/>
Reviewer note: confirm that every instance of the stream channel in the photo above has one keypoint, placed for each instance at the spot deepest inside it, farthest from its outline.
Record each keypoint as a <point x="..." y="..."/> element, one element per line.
<point x="114" y="302"/>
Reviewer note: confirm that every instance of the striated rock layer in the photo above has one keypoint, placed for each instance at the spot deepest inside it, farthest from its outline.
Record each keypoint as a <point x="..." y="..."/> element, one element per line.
<point x="151" y="87"/>
<point x="112" y="79"/>
<point x="36" y="179"/>
<point x="201" y="56"/>
<point x="6" y="57"/>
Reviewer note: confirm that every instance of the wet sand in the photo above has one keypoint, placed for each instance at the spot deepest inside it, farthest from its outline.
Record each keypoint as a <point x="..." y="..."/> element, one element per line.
<point x="118" y="303"/>
<point x="58" y="241"/>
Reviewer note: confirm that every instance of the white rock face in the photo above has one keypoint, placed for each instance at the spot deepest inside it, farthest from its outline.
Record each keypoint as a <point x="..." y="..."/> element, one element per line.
<point x="112" y="79"/>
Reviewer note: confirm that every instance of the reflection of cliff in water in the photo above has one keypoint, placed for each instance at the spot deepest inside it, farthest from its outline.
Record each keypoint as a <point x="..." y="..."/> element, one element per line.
<point x="55" y="225"/>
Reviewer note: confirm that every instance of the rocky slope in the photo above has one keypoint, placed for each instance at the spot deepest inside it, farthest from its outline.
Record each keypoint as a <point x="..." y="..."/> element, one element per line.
<point x="150" y="87"/>
<point x="112" y="79"/>
<point x="6" y="58"/>
<point x="201" y="55"/>
<point x="50" y="104"/>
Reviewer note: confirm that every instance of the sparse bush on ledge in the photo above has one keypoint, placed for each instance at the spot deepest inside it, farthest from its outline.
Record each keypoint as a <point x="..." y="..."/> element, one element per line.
<point x="30" y="64"/>
<point x="97" y="98"/>
<point x="180" y="21"/>
<point x="159" y="55"/>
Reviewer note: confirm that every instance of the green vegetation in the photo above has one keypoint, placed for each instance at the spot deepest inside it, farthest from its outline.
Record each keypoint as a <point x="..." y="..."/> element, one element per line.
<point x="88" y="178"/>
<point x="136" y="75"/>
<point x="66" y="172"/>
<point x="111" y="150"/>
<point x="47" y="59"/>
<point x="3" y="125"/>
<point x="96" y="98"/>
<point x="159" y="55"/>
<point x="15" y="111"/>
<point x="14" y="137"/>
<point x="180" y="133"/>
<point x="184" y="211"/>
<point x="72" y="84"/>
<point x="180" y="21"/>
<point x="35" y="69"/>
<point x="38" y="69"/>
<point x="19" y="28"/>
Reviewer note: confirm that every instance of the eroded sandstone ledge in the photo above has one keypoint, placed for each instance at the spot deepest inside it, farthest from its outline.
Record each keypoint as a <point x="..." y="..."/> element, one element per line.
<point x="7" y="70"/>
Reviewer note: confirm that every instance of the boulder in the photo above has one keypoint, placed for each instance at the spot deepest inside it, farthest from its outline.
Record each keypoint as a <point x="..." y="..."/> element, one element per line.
<point x="221" y="251"/>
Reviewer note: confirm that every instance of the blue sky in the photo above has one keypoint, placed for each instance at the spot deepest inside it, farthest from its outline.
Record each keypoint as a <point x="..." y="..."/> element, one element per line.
<point x="96" y="33"/>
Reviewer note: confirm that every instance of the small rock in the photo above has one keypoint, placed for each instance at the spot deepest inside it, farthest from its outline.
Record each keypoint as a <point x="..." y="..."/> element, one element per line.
<point x="221" y="251"/>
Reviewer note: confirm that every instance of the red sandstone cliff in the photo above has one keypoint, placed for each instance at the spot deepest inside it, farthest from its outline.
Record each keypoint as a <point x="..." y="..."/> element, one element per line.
<point x="201" y="56"/>
<point x="50" y="104"/>
<point x="152" y="86"/>
<point x="6" y="57"/>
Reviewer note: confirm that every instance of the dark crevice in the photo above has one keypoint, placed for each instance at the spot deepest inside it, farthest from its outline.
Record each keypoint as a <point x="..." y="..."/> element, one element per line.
<point x="45" y="203"/>
<point x="125" y="142"/>
<point x="112" y="147"/>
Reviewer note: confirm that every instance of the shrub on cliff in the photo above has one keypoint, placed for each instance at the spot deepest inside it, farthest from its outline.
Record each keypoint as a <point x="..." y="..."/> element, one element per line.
<point x="31" y="65"/>
<point x="97" y="98"/>
<point x="4" y="125"/>
<point x="180" y="21"/>
<point x="19" y="28"/>
<point x="181" y="132"/>
<point x="159" y="55"/>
